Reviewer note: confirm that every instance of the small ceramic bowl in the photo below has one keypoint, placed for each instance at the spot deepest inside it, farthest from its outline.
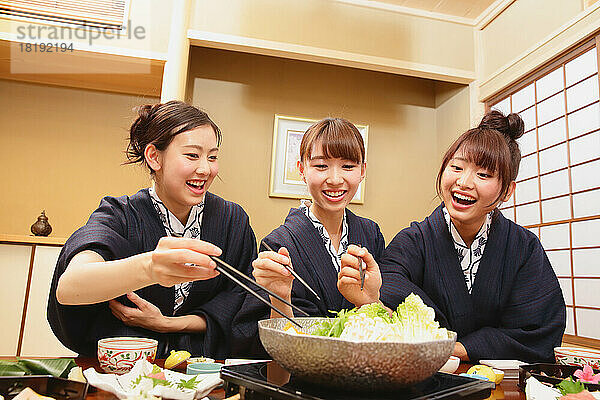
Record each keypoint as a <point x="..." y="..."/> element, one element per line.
<point x="577" y="356"/>
<point x="203" y="368"/>
<point x="451" y="365"/>
<point x="118" y="355"/>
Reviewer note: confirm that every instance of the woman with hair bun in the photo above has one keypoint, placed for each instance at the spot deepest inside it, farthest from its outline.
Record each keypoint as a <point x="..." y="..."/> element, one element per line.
<point x="141" y="265"/>
<point x="487" y="278"/>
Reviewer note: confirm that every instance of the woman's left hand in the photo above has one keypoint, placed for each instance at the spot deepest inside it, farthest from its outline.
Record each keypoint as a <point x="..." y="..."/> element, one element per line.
<point x="146" y="315"/>
<point x="349" y="277"/>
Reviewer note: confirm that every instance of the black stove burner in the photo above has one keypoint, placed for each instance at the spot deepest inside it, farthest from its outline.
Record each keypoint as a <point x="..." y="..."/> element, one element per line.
<point x="270" y="381"/>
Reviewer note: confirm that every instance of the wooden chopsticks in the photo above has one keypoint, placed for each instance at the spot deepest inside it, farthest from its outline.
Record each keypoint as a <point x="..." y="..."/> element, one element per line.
<point x="294" y="273"/>
<point x="229" y="272"/>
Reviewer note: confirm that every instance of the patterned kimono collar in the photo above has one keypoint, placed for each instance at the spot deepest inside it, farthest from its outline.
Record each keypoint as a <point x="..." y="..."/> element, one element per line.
<point x="336" y="256"/>
<point x="174" y="227"/>
<point x="469" y="257"/>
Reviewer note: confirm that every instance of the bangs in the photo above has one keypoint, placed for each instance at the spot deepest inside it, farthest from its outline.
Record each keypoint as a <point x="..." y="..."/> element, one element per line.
<point x="338" y="146"/>
<point x="482" y="150"/>
<point x="338" y="138"/>
<point x="486" y="148"/>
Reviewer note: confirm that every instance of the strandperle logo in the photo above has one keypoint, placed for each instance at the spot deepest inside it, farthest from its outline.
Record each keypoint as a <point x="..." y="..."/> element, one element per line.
<point x="34" y="32"/>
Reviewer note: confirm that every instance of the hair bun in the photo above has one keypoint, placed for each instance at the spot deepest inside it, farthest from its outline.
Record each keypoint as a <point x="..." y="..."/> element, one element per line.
<point x="511" y="126"/>
<point x="144" y="113"/>
<point x="516" y="126"/>
<point x="136" y="147"/>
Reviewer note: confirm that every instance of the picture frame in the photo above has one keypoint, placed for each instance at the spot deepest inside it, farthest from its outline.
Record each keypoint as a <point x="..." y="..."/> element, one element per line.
<point x="285" y="180"/>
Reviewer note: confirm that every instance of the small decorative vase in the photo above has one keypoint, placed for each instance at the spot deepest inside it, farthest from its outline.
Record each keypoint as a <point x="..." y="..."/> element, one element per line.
<point x="41" y="227"/>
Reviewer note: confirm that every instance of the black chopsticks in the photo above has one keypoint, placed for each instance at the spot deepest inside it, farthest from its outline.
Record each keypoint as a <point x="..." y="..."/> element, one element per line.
<point x="361" y="271"/>
<point x="227" y="270"/>
<point x="294" y="273"/>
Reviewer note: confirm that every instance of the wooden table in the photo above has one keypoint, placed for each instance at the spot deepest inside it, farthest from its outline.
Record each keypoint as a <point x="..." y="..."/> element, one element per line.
<point x="506" y="390"/>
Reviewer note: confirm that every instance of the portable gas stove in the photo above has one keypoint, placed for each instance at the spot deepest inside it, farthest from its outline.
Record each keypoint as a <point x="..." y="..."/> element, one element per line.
<point x="268" y="380"/>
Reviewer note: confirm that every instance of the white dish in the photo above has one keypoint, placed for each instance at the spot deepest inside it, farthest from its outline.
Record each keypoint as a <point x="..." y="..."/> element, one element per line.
<point x="510" y="367"/>
<point x="451" y="365"/>
<point x="502" y="364"/>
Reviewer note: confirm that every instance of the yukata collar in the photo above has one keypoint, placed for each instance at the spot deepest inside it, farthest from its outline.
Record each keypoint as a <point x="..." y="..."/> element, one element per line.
<point x="172" y="224"/>
<point x="456" y="238"/>
<point x="305" y="208"/>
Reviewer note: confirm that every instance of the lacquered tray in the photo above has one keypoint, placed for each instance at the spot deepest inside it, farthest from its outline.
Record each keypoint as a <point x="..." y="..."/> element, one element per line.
<point x="58" y="388"/>
<point x="550" y="373"/>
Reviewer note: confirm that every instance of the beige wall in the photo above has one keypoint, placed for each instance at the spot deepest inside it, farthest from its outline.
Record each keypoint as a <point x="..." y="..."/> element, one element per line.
<point x="526" y="35"/>
<point x="521" y="26"/>
<point x="243" y="92"/>
<point x="452" y="113"/>
<point x="62" y="151"/>
<point x="343" y="27"/>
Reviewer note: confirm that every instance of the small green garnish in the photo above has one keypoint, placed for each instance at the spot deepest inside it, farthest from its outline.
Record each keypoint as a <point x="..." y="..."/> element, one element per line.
<point x="569" y="386"/>
<point x="159" y="382"/>
<point x="136" y="381"/>
<point x="190" y="384"/>
<point x="155" y="369"/>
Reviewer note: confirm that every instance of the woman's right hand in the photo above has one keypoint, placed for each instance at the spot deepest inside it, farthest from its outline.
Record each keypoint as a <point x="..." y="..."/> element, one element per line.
<point x="177" y="260"/>
<point x="270" y="272"/>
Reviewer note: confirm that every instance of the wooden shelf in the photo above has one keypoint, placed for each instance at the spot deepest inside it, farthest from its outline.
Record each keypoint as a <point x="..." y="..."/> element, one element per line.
<point x="82" y="69"/>
<point x="41" y="240"/>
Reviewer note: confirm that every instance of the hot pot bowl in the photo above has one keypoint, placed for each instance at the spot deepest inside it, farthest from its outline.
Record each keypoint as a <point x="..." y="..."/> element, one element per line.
<point x="350" y="365"/>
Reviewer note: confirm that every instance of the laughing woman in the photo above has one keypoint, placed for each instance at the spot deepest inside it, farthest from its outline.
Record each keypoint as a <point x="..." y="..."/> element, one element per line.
<point x="141" y="266"/>
<point x="487" y="278"/>
<point x="314" y="236"/>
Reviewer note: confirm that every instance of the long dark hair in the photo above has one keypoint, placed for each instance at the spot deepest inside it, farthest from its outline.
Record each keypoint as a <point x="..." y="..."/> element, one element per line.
<point x="158" y="124"/>
<point x="493" y="146"/>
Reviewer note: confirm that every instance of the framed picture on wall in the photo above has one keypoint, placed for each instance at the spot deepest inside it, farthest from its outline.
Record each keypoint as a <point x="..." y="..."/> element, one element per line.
<point x="285" y="177"/>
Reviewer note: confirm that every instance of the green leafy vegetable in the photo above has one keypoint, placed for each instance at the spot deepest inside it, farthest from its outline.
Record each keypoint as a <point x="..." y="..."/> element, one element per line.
<point x="412" y="321"/>
<point x="334" y="327"/>
<point x="58" y="367"/>
<point x="156" y="369"/>
<point x="189" y="384"/>
<point x="159" y="382"/>
<point x="374" y="310"/>
<point x="11" y="368"/>
<point x="136" y="381"/>
<point x="568" y="386"/>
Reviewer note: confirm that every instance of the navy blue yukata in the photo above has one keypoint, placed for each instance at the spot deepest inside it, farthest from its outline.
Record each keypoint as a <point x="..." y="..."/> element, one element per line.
<point x="313" y="263"/>
<point x="516" y="309"/>
<point x="129" y="225"/>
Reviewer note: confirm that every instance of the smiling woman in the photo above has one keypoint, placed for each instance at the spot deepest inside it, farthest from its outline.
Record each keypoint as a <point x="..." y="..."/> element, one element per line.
<point x="141" y="266"/>
<point x="315" y="236"/>
<point x="487" y="278"/>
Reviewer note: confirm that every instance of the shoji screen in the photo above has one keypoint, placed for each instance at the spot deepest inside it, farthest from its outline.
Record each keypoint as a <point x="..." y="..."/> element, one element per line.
<point x="558" y="188"/>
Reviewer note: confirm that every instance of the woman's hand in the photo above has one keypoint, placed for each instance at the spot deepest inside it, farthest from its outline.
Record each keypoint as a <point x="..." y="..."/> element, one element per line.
<point x="146" y="315"/>
<point x="269" y="271"/>
<point x="178" y="260"/>
<point x="349" y="277"/>
<point x="460" y="351"/>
